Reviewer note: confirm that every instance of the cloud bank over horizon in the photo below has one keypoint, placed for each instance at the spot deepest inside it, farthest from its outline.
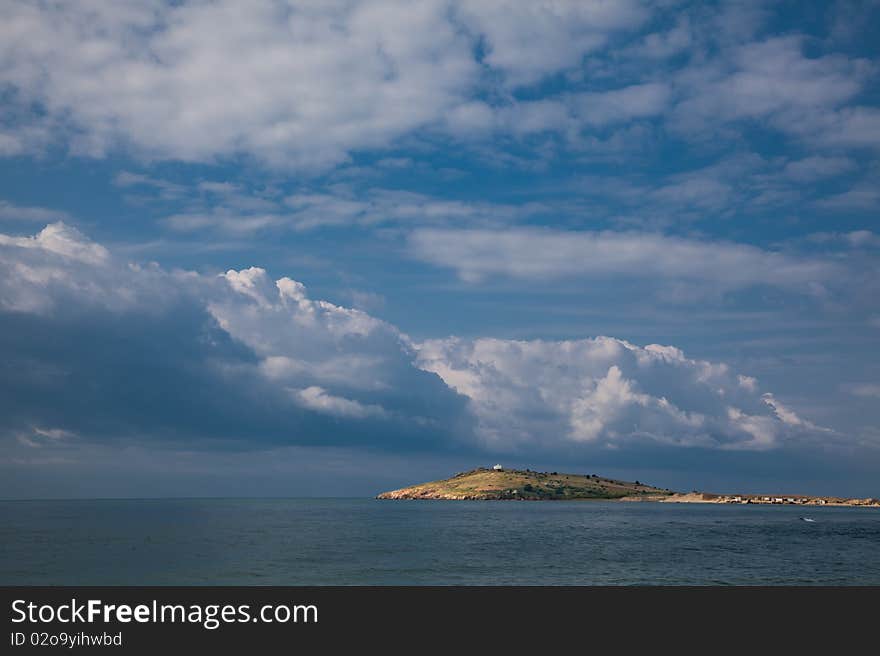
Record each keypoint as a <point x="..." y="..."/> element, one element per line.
<point x="282" y="368"/>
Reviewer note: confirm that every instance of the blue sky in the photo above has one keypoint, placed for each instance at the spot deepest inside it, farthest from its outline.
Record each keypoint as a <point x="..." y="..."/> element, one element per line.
<point x="332" y="247"/>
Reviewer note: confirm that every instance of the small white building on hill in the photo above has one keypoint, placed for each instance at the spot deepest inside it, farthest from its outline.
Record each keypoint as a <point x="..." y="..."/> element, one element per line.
<point x="498" y="468"/>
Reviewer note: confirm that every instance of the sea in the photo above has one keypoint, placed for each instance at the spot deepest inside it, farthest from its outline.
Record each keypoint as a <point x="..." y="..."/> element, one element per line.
<point x="372" y="542"/>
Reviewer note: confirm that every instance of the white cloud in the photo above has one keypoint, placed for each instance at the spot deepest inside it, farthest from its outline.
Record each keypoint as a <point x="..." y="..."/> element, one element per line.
<point x="63" y="240"/>
<point x="278" y="320"/>
<point x="606" y="392"/>
<point x="625" y="104"/>
<point x="849" y="127"/>
<point x="566" y="113"/>
<point x="238" y="213"/>
<point x="695" y="190"/>
<point x="748" y="382"/>
<point x="224" y="220"/>
<point x="659" y="45"/>
<point x="856" y="239"/>
<point x="789" y="417"/>
<point x="332" y="359"/>
<point x="811" y="169"/>
<point x="24" y="134"/>
<point x="166" y="190"/>
<point x="545" y="254"/>
<point x="317" y="398"/>
<point x="526" y="40"/>
<point x="861" y="197"/>
<point x="773" y="81"/>
<point x="298" y="84"/>
<point x="294" y="85"/>
<point x="54" y="433"/>
<point x="866" y="390"/>
<point x="734" y="188"/>
<point x="13" y="212"/>
<point x="377" y="206"/>
<point x="39" y="438"/>
<point x="59" y="265"/>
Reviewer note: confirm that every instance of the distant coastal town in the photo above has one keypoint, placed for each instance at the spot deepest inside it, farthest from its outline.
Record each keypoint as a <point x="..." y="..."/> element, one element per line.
<point x="706" y="497"/>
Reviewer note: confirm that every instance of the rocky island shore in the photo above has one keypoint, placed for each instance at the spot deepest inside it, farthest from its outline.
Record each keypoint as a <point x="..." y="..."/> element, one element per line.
<point x="500" y="484"/>
<point x="484" y="484"/>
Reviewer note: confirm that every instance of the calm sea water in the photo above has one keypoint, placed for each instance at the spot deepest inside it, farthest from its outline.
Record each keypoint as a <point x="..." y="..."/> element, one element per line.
<point x="364" y="541"/>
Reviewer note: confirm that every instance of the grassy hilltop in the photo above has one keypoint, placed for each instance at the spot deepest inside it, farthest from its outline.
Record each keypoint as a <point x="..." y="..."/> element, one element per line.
<point x="513" y="484"/>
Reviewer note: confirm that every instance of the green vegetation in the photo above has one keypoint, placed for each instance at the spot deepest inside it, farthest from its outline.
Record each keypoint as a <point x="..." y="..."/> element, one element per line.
<point x="487" y="484"/>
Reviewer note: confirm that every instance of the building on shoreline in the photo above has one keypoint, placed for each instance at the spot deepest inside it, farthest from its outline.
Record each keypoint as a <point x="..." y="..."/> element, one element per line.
<point x="789" y="500"/>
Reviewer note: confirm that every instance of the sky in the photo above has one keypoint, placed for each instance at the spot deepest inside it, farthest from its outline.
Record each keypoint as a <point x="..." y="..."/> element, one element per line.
<point x="328" y="248"/>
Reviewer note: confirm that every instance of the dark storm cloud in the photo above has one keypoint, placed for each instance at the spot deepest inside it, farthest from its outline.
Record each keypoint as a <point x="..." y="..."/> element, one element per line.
<point x="96" y="350"/>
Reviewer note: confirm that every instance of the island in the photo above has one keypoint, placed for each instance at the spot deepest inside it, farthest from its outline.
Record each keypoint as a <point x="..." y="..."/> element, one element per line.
<point x="484" y="484"/>
<point x="500" y="484"/>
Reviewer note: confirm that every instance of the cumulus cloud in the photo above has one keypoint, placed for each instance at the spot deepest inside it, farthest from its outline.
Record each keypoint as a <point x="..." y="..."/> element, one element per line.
<point x="309" y="343"/>
<point x="136" y="352"/>
<point x="63" y="240"/>
<point x="126" y="350"/>
<point x="38" y="273"/>
<point x="607" y="392"/>
<point x="46" y="261"/>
